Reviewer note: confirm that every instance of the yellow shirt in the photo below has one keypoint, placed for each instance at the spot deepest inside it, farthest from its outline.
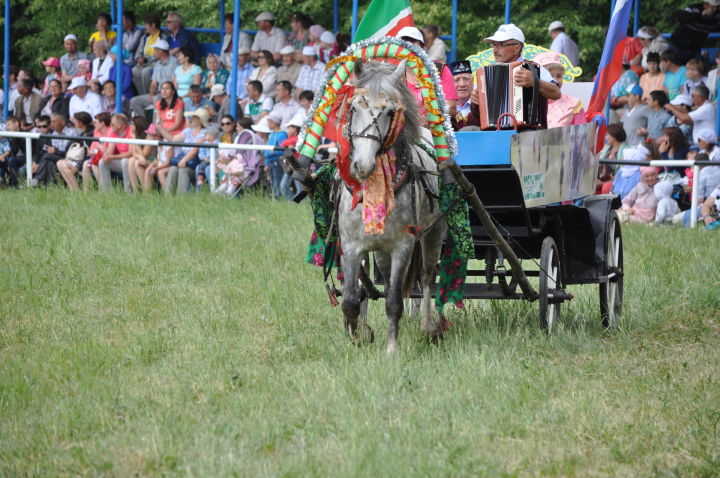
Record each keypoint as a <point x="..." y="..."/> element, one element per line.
<point x="110" y="36"/>
<point x="148" y="50"/>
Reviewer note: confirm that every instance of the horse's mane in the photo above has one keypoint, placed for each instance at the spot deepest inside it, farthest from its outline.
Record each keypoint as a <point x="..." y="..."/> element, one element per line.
<point x="376" y="78"/>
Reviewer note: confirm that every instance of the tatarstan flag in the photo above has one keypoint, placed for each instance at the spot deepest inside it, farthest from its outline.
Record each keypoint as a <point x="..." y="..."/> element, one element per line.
<point x="384" y="18"/>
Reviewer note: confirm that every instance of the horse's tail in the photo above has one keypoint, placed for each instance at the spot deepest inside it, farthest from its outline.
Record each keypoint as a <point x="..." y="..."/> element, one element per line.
<point x="413" y="273"/>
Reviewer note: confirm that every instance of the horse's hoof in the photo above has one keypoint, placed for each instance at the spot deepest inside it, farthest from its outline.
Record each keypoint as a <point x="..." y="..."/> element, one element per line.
<point x="362" y="335"/>
<point x="392" y="349"/>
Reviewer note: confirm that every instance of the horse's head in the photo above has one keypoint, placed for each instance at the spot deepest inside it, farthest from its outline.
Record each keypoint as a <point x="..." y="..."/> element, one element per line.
<point x="374" y="106"/>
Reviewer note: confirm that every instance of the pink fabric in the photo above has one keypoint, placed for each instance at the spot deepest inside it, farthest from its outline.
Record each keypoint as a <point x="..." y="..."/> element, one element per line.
<point x="649" y="169"/>
<point x="641" y="202"/>
<point x="650" y="83"/>
<point x="448" y="86"/>
<point x="120" y="148"/>
<point x="565" y="112"/>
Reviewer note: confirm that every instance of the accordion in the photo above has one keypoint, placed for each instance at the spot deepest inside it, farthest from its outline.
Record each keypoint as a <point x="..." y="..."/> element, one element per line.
<point x="499" y="98"/>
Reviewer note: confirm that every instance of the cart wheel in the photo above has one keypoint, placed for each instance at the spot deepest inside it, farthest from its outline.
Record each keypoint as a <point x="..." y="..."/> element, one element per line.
<point x="611" y="292"/>
<point x="550" y="280"/>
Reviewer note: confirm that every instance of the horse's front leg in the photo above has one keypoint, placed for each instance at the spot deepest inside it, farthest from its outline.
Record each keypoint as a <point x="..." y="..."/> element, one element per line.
<point x="432" y="244"/>
<point x="351" y="304"/>
<point x="393" y="293"/>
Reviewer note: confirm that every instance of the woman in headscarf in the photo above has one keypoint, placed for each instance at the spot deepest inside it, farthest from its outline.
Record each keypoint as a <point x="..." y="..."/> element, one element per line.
<point x="641" y="203"/>
<point x="568" y="110"/>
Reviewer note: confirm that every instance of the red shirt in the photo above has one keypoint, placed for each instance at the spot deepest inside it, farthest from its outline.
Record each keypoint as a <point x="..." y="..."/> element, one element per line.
<point x="167" y="116"/>
<point x="120" y="148"/>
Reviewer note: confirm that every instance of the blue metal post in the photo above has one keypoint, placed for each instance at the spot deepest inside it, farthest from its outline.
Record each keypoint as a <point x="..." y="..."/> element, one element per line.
<point x="6" y="62"/>
<point x="453" y="27"/>
<point x="222" y="18"/>
<point x="354" y="18"/>
<point x="233" y="72"/>
<point x="607" y="108"/>
<point x="119" y="59"/>
<point x="636" y="17"/>
<point x="508" y="8"/>
<point x="336" y="17"/>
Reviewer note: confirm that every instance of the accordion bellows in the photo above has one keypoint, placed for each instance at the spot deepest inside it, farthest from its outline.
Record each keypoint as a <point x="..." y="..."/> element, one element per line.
<point x="500" y="100"/>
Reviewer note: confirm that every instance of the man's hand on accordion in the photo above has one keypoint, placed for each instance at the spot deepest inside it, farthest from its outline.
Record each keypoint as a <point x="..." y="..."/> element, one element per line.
<point x="524" y="78"/>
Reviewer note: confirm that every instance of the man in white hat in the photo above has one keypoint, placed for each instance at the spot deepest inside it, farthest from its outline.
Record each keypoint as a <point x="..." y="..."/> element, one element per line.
<point x="268" y="36"/>
<point x="69" y="61"/>
<point x="163" y="70"/>
<point x="290" y="69"/>
<point x="219" y="105"/>
<point x="702" y="117"/>
<point x="83" y="99"/>
<point x="244" y="71"/>
<point x="562" y="43"/>
<point x="312" y="72"/>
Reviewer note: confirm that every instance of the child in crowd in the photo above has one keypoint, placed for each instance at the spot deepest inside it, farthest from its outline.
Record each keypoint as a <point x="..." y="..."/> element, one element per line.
<point x="640" y="204"/>
<point x="52" y="67"/>
<point x="653" y="79"/>
<point x="142" y="156"/>
<point x="272" y="158"/>
<point x="667" y="207"/>
<point x="202" y="170"/>
<point x="293" y="130"/>
<point x="694" y="70"/>
<point x="158" y="168"/>
<point x="328" y="48"/>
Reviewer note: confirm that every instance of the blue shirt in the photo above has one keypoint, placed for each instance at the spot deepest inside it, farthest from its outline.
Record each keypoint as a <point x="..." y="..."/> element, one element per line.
<point x="190" y="106"/>
<point x="275" y="139"/>
<point x="243" y="75"/>
<point x="185" y="38"/>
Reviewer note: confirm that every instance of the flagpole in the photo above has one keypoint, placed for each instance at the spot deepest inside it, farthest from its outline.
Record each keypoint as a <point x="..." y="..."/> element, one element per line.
<point x="453" y="47"/>
<point x="354" y="19"/>
<point x="636" y="17"/>
<point x="607" y="108"/>
<point x="508" y="7"/>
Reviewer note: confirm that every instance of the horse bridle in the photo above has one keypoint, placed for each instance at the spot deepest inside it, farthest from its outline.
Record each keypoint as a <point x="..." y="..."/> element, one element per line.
<point x="365" y="134"/>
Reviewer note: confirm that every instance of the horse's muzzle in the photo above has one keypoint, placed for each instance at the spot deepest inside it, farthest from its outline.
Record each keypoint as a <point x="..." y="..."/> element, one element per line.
<point x="362" y="172"/>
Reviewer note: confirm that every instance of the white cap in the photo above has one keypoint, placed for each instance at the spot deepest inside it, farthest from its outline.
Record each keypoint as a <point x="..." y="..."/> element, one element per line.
<point x="265" y="17"/>
<point x="295" y="121"/>
<point x="555" y="25"/>
<point x="507" y="32"/>
<point x="327" y="37"/>
<point x="77" y="81"/>
<point x="243" y="51"/>
<point x="681" y="100"/>
<point x="217" y="90"/>
<point x="261" y="126"/>
<point x="644" y="34"/>
<point x="161" y="44"/>
<point x="70" y="36"/>
<point x="310" y="51"/>
<point x="287" y="50"/>
<point x="707" y="135"/>
<point x="411" y="32"/>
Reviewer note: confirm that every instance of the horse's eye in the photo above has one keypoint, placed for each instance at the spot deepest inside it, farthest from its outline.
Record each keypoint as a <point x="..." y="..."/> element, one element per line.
<point x="390" y="112"/>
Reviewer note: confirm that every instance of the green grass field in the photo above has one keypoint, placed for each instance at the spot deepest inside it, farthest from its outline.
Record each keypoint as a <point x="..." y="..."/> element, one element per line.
<point x="154" y="336"/>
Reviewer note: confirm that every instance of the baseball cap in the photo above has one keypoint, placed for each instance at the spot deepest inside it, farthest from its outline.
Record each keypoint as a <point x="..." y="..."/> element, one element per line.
<point x="217" y="90"/>
<point x="635" y="90"/>
<point x="707" y="135"/>
<point x="243" y="51"/>
<point x="411" y="32"/>
<point x="507" y="32"/>
<point x="52" y="61"/>
<point x="287" y="50"/>
<point x="265" y="17"/>
<point x="77" y="81"/>
<point x="644" y="33"/>
<point x="70" y="36"/>
<point x="555" y="25"/>
<point x="309" y="50"/>
<point x="681" y="100"/>
<point x="161" y="44"/>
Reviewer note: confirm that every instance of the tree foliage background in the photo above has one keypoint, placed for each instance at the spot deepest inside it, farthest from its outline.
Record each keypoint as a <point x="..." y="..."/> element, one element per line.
<point x="38" y="26"/>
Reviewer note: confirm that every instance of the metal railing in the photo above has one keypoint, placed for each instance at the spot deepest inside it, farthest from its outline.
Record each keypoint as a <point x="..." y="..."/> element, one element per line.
<point x="674" y="163"/>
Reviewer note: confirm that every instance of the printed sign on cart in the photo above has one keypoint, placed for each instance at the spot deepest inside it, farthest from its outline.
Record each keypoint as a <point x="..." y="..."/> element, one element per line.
<point x="555" y="165"/>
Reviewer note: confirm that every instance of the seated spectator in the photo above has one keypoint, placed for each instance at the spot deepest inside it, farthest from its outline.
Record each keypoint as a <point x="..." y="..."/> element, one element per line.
<point x="95" y="150"/>
<point x="253" y="159"/>
<point x="185" y="159"/>
<point x="125" y="75"/>
<point x="256" y="105"/>
<point x="202" y="170"/>
<point x="299" y="36"/>
<point x="702" y="117"/>
<point x="227" y="129"/>
<point x="27" y="104"/>
<point x="140" y="155"/>
<point x="658" y="117"/>
<point x="219" y="104"/>
<point x="435" y="48"/>
<point x="273" y="158"/>
<point x="52" y="151"/>
<point x="108" y="100"/>
<point x="562" y="43"/>
<point x="290" y="69"/>
<point x="181" y="37"/>
<point x="653" y="42"/>
<point x="695" y="23"/>
<point x="674" y="71"/>
<point x="710" y="210"/>
<point x="22" y="74"/>
<point x="640" y="204"/>
<point x="162" y="71"/>
<point x="116" y="155"/>
<point x="667" y="207"/>
<point x="169" y="111"/>
<point x="187" y="73"/>
<point x="315" y="32"/>
<point x="215" y="74"/>
<point x="305" y="99"/>
<point x="101" y="65"/>
<point x="84" y="70"/>
<point x="672" y="144"/>
<point x="706" y="182"/>
<point x="712" y="80"/>
<point x="568" y="110"/>
<point x="55" y="102"/>
<point x="14" y="157"/>
<point x="268" y="37"/>
<point x="226" y="50"/>
<point x="145" y="55"/>
<point x="132" y="34"/>
<point x="195" y="100"/>
<point x="159" y="167"/>
<point x="636" y="116"/>
<point x="683" y="103"/>
<point x="265" y="73"/>
<point x="70" y="167"/>
<point x="627" y="176"/>
<point x="244" y="70"/>
<point x="104" y="33"/>
<point x="614" y="149"/>
<point x="83" y="99"/>
<point x="327" y="48"/>
<point x="52" y="67"/>
<point x="12" y="74"/>
<point x="69" y="60"/>
<point x="463" y="79"/>
<point x="654" y="79"/>
<point x="707" y="140"/>
<point x="694" y="70"/>
<point x="285" y="106"/>
<point x="312" y="72"/>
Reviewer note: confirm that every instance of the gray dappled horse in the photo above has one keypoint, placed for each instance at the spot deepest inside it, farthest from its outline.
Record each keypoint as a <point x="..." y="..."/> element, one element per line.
<point x="380" y="91"/>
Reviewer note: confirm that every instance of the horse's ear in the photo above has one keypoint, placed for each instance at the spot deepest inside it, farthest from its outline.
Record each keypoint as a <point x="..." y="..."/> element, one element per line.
<point x="358" y="68"/>
<point x="399" y="71"/>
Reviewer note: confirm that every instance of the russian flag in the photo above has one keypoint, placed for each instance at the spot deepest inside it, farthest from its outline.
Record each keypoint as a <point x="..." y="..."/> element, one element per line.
<point x="610" y="67"/>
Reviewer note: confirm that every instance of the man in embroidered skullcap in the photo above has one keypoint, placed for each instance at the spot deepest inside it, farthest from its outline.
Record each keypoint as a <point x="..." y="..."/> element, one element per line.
<point x="462" y="76"/>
